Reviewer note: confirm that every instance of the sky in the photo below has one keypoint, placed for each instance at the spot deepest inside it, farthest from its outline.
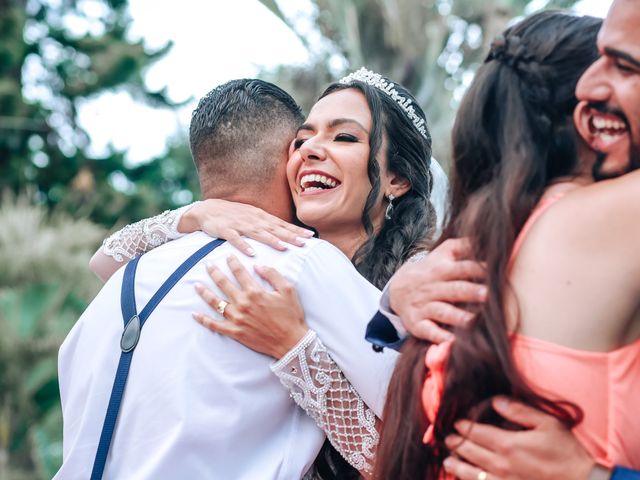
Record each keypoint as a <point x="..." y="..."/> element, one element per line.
<point x="213" y="41"/>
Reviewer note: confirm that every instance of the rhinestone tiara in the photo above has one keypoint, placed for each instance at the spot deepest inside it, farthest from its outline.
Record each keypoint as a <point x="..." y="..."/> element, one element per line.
<point x="376" y="80"/>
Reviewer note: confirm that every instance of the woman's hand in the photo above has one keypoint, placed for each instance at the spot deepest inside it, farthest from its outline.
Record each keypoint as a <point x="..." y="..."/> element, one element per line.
<point x="232" y="220"/>
<point x="267" y="322"/>
<point x="546" y="450"/>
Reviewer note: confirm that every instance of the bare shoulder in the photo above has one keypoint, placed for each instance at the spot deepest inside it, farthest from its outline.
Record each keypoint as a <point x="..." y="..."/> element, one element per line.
<point x="600" y="220"/>
<point x="581" y="258"/>
<point x="621" y="193"/>
<point x="612" y="206"/>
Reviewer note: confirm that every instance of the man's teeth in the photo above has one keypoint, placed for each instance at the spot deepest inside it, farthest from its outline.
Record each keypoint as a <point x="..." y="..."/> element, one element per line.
<point x="315" y="178"/>
<point x="604" y="123"/>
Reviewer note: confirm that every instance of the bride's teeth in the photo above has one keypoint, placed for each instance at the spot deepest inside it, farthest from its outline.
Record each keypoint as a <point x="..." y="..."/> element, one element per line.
<point x="599" y="122"/>
<point x="317" y="178"/>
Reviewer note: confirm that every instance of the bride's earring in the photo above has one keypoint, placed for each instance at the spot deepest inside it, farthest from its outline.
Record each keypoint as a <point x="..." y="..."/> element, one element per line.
<point x="389" y="211"/>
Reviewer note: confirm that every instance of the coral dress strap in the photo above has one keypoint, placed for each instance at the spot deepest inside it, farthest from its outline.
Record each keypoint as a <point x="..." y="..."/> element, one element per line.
<point x="542" y="207"/>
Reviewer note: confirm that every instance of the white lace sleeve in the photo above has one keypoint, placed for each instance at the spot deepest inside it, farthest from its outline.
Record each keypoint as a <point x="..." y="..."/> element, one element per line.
<point x="140" y="237"/>
<point x="318" y="385"/>
<point x="416" y="257"/>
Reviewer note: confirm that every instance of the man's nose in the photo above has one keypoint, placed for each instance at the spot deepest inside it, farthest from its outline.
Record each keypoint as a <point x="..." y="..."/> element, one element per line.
<point x="594" y="85"/>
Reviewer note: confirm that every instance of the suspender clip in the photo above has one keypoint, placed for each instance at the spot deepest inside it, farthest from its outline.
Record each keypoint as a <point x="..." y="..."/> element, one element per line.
<point x="130" y="335"/>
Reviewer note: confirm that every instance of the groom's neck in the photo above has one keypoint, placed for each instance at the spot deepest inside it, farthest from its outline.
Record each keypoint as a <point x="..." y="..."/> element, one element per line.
<point x="265" y="199"/>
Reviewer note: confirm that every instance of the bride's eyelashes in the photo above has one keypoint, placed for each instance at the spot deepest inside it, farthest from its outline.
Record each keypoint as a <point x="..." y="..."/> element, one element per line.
<point x="341" y="137"/>
<point x="297" y="143"/>
<point x="345" y="137"/>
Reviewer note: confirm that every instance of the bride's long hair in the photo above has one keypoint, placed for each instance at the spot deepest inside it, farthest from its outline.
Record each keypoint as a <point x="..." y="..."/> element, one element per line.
<point x="410" y="229"/>
<point x="513" y="135"/>
<point x="411" y="226"/>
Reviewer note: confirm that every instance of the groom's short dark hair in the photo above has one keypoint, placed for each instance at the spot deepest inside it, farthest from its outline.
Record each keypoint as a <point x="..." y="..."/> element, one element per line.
<point x="240" y="131"/>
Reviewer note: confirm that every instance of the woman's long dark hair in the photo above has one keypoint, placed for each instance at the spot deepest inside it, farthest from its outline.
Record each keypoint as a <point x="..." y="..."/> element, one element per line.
<point x="513" y="135"/>
<point x="413" y="220"/>
<point x="408" y="155"/>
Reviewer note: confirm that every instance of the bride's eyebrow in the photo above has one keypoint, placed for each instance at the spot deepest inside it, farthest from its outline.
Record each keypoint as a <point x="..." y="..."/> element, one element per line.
<point x="341" y="121"/>
<point x="333" y="124"/>
<point x="305" y="126"/>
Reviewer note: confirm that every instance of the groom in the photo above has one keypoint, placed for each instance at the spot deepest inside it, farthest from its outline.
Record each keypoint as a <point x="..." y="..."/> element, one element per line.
<point x="197" y="404"/>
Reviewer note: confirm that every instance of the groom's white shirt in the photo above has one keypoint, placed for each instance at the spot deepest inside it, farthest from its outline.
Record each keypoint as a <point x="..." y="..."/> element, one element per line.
<point x="200" y="405"/>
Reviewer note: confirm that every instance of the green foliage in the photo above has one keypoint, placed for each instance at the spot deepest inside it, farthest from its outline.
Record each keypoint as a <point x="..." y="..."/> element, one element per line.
<point x="38" y="247"/>
<point x="46" y="70"/>
<point x="44" y="287"/>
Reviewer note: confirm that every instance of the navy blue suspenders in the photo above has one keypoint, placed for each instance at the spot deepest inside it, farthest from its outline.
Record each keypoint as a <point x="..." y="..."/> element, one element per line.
<point x="133" y="323"/>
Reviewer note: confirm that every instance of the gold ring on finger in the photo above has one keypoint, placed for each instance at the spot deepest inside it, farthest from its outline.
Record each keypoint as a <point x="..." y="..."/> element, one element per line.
<point x="221" y="307"/>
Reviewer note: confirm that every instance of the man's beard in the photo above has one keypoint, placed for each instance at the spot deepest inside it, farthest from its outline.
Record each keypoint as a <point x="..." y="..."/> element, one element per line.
<point x="634" y="149"/>
<point x="632" y="164"/>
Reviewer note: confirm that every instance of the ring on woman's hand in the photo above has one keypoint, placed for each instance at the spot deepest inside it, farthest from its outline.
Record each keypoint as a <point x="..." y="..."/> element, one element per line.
<point x="482" y="475"/>
<point x="222" y="305"/>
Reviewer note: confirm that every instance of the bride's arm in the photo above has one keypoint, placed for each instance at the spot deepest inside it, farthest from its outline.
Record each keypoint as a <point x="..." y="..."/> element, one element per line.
<point x="135" y="239"/>
<point x="218" y="218"/>
<point x="272" y="322"/>
<point x="316" y="383"/>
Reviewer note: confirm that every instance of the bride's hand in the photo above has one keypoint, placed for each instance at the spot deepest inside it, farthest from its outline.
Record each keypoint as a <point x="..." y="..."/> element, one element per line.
<point x="269" y="322"/>
<point x="232" y="220"/>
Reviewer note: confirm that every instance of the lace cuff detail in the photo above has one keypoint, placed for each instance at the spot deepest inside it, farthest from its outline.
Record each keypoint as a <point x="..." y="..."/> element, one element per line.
<point x="140" y="237"/>
<point x="417" y="256"/>
<point x="318" y="386"/>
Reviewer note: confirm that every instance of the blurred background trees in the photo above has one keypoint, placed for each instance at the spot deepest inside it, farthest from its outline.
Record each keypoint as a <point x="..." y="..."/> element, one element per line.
<point x="57" y="199"/>
<point x="432" y="47"/>
<point x="44" y="287"/>
<point x="53" y="56"/>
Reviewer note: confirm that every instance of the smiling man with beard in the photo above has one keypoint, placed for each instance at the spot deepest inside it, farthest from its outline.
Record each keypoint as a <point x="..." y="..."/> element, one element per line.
<point x="608" y="116"/>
